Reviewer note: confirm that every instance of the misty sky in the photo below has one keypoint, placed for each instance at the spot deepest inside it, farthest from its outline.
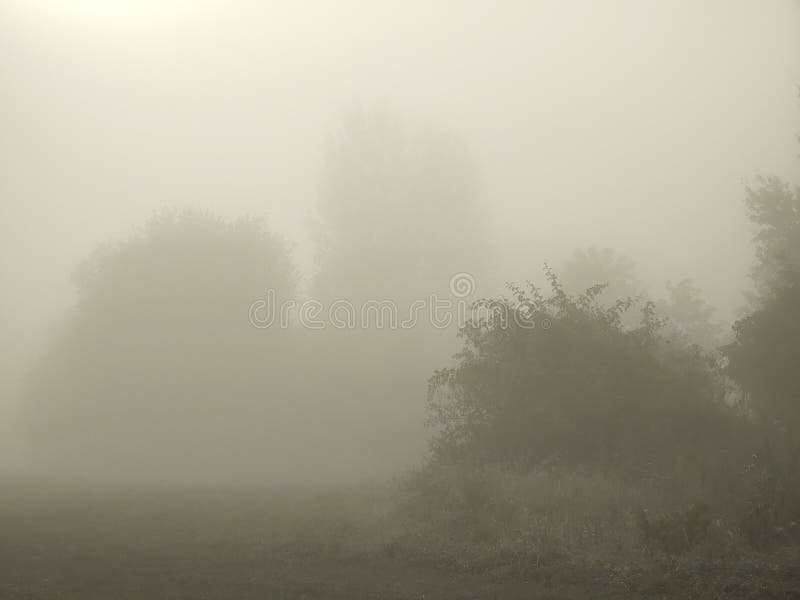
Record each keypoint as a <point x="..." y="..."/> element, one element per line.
<point x="624" y="124"/>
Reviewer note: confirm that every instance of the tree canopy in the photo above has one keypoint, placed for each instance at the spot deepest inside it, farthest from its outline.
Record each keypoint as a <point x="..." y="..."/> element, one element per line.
<point x="399" y="211"/>
<point x="157" y="371"/>
<point x="764" y="357"/>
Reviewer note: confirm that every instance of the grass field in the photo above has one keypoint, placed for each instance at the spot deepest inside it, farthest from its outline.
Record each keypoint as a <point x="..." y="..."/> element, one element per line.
<point x="87" y="543"/>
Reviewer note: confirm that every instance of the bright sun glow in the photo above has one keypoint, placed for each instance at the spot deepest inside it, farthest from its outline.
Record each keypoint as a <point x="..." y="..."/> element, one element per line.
<point x="104" y="13"/>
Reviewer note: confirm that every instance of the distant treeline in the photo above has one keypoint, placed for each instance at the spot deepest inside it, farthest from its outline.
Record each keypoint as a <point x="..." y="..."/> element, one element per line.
<point x="158" y="374"/>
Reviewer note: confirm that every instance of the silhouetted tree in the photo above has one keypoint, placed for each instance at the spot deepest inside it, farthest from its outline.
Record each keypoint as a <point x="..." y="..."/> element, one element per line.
<point x="764" y="358"/>
<point x="157" y="371"/>
<point x="616" y="272"/>
<point x="773" y="207"/>
<point x="399" y="212"/>
<point x="398" y="215"/>
<point x="690" y="317"/>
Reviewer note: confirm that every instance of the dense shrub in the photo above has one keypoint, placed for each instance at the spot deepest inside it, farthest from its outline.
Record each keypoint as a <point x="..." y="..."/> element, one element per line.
<point x="559" y="378"/>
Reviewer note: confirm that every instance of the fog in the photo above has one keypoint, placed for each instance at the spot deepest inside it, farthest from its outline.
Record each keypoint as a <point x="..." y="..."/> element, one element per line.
<point x="629" y="125"/>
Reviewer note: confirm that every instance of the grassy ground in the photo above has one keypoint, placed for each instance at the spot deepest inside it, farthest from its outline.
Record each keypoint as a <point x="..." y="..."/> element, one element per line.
<point x="72" y="542"/>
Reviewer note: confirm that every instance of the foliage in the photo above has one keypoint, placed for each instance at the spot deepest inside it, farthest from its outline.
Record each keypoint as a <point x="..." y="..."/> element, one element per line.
<point x="615" y="271"/>
<point x="773" y="207"/>
<point x="690" y="317"/>
<point x="157" y="371"/>
<point x="769" y="502"/>
<point x="763" y="358"/>
<point x="399" y="211"/>
<point x="558" y="377"/>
